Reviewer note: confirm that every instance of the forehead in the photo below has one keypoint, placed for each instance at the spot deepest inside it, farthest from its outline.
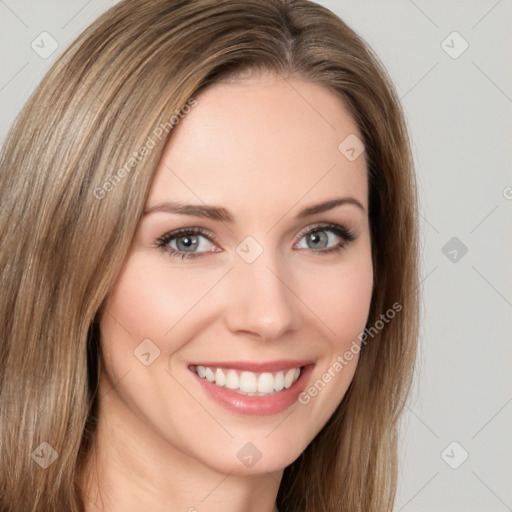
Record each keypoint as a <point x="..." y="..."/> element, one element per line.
<point x="261" y="145"/>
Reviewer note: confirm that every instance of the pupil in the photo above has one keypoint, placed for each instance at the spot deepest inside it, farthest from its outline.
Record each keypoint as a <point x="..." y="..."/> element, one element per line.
<point x="315" y="238"/>
<point x="187" y="242"/>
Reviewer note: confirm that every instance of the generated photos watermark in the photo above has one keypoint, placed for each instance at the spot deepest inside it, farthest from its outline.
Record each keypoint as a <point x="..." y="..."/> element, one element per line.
<point x="111" y="182"/>
<point x="348" y="355"/>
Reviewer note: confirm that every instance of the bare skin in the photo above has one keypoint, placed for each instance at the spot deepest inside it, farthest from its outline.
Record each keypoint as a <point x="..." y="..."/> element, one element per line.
<point x="263" y="148"/>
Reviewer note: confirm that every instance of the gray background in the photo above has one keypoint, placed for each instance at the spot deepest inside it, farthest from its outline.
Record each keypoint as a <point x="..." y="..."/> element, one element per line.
<point x="458" y="105"/>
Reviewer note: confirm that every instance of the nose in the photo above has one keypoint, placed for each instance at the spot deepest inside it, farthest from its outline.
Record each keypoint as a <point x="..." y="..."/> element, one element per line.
<point x="261" y="299"/>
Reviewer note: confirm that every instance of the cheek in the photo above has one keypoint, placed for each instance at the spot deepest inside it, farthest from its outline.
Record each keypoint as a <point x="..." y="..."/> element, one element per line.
<point x="341" y="298"/>
<point x="148" y="302"/>
<point x="346" y="305"/>
<point x="341" y="302"/>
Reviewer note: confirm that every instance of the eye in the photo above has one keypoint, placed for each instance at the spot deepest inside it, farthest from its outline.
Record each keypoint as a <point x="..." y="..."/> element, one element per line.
<point x="319" y="238"/>
<point x="183" y="243"/>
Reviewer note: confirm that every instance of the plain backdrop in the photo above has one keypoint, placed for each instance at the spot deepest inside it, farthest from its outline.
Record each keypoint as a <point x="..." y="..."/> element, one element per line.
<point x="451" y="62"/>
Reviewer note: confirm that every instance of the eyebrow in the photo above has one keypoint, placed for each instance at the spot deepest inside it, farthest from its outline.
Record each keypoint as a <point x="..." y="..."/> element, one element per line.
<point x="220" y="214"/>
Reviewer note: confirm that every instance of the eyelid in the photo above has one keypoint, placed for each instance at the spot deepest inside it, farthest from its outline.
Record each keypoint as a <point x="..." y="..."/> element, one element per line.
<point x="170" y="235"/>
<point x="344" y="231"/>
<point x="195" y="230"/>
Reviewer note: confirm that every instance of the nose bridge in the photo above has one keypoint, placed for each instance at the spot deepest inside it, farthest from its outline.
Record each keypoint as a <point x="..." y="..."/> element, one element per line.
<point x="260" y="299"/>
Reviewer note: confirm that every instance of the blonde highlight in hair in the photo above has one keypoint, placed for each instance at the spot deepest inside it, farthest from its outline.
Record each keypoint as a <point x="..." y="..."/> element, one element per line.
<point x="62" y="246"/>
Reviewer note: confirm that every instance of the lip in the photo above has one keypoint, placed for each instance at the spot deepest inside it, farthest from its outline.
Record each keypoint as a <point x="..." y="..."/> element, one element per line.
<point x="256" y="405"/>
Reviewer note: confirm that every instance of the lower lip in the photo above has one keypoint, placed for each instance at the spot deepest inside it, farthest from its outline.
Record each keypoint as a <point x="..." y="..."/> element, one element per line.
<point x="257" y="405"/>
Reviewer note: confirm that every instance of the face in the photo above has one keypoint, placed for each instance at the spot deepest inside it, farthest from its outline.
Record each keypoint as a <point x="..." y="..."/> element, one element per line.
<point x="225" y="333"/>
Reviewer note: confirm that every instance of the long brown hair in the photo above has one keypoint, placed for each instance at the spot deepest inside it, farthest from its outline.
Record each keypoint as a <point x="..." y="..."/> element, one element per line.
<point x="65" y="232"/>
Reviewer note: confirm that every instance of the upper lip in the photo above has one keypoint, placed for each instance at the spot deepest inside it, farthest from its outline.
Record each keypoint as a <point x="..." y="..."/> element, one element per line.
<point x="251" y="366"/>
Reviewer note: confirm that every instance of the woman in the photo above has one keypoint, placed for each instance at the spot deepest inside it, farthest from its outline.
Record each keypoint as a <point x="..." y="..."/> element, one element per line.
<point x="209" y="267"/>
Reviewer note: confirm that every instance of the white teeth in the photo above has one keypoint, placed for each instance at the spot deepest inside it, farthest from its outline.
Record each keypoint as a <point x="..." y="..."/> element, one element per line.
<point x="210" y="376"/>
<point x="220" y="378"/>
<point x="231" y="380"/>
<point x="266" y="383"/>
<point x="279" y="381"/>
<point x="249" y="383"/>
<point x="289" y="378"/>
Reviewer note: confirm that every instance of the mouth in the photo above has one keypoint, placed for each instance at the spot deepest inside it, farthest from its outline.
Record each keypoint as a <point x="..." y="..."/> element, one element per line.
<point x="253" y="388"/>
<point x="247" y="382"/>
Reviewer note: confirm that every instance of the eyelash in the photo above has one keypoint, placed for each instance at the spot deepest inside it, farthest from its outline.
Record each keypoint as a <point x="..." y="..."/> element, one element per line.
<point x="342" y="232"/>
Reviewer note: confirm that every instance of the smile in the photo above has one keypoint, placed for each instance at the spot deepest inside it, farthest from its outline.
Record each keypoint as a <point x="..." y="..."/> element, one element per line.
<point x="253" y="388"/>
<point x="247" y="382"/>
